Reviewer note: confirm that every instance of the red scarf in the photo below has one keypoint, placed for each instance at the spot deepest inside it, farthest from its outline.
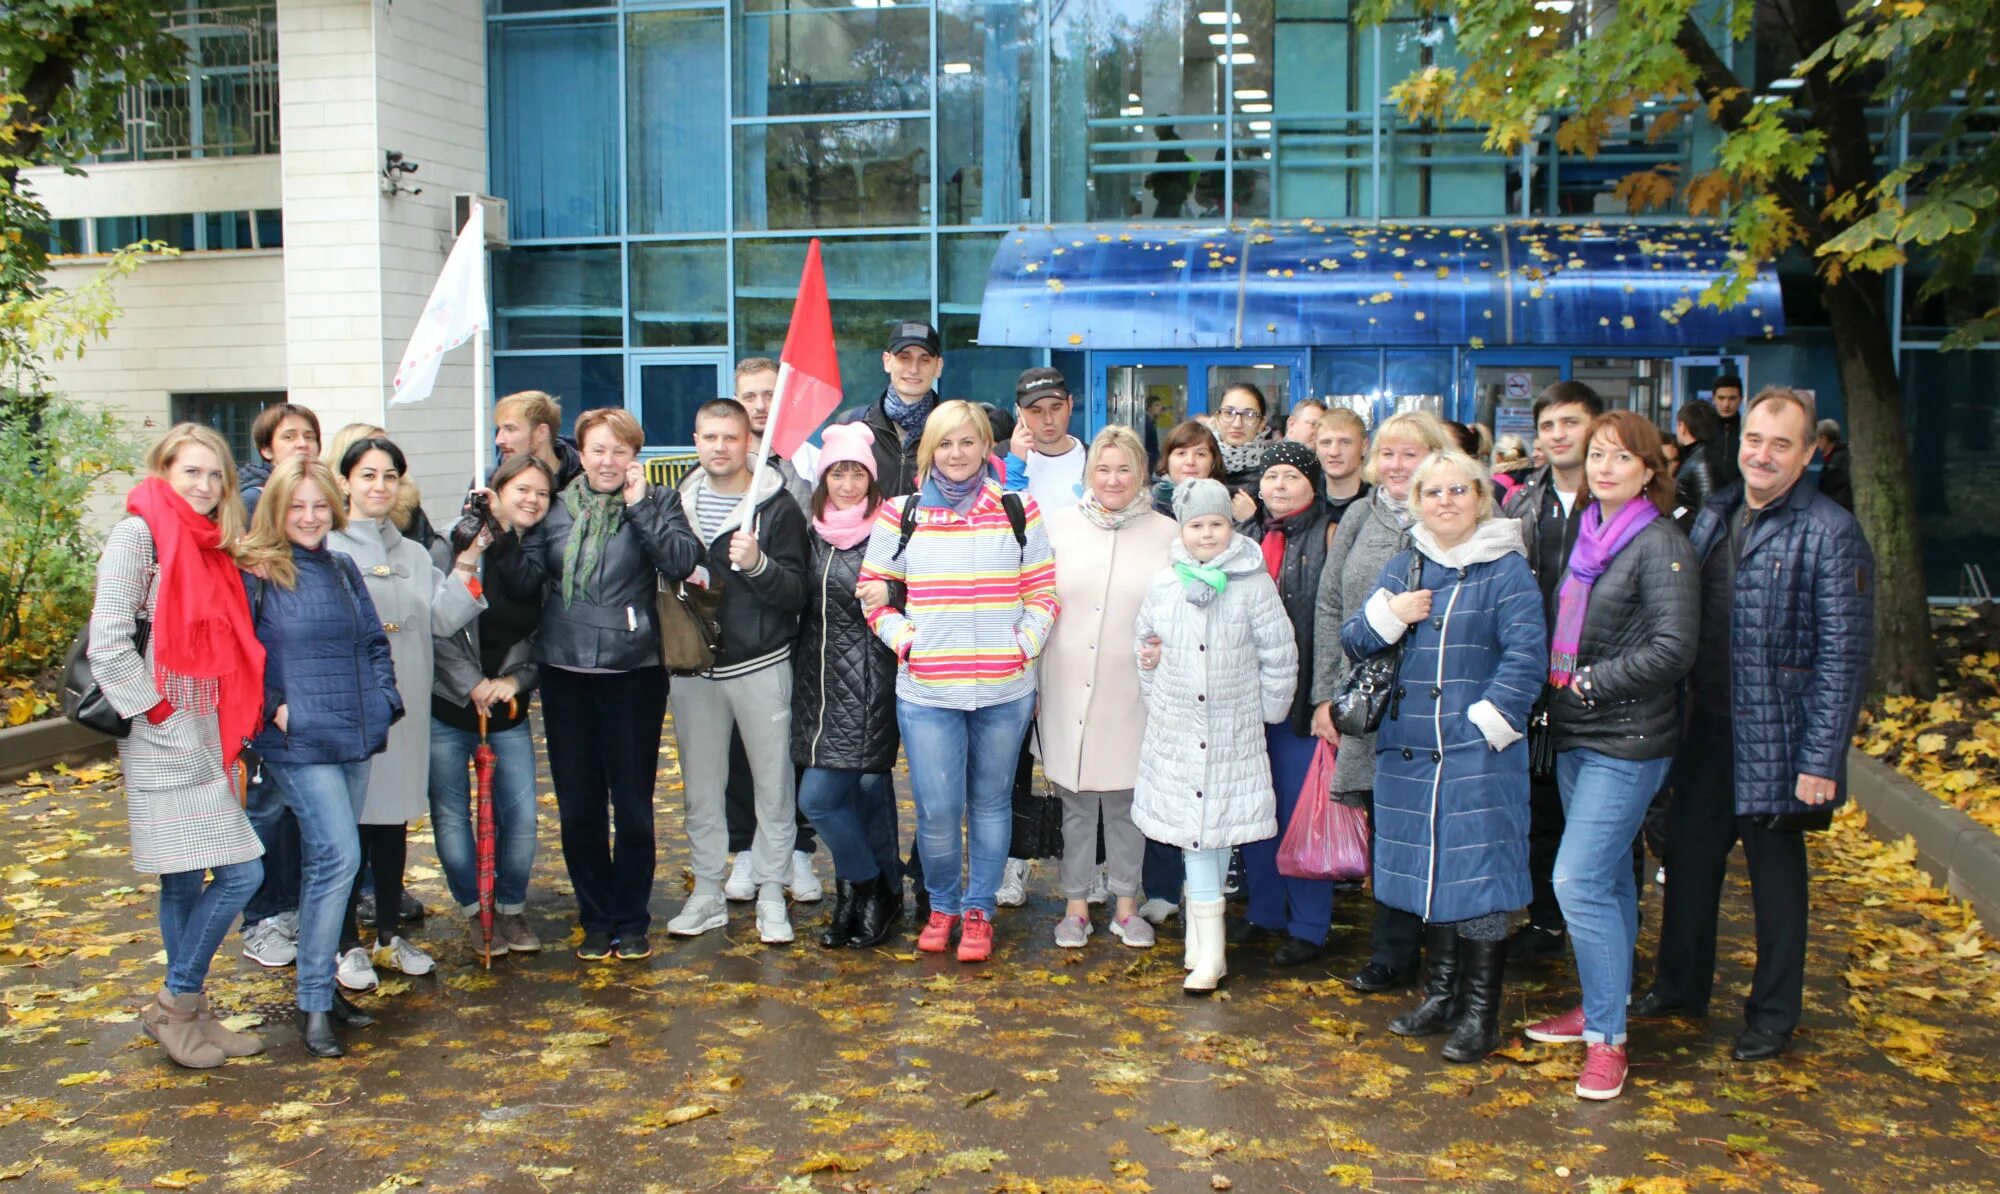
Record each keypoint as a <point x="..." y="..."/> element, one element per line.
<point x="1274" y="549"/>
<point x="201" y="622"/>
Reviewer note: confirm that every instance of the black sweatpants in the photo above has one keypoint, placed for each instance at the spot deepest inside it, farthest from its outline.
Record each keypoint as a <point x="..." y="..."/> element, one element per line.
<point x="603" y="733"/>
<point x="384" y="851"/>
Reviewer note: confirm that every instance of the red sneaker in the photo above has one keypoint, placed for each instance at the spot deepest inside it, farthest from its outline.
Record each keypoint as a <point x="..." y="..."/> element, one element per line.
<point x="1566" y="1029"/>
<point x="975" y="944"/>
<point x="1603" y="1072"/>
<point x="937" y="933"/>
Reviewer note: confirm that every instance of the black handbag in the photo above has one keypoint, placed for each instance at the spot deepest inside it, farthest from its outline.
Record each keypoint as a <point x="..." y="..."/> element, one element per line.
<point x="83" y="701"/>
<point x="1541" y="744"/>
<point x="1038" y="814"/>
<point x="1361" y="703"/>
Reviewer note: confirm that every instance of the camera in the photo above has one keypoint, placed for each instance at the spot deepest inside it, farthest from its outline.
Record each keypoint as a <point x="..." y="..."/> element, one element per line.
<point x="477" y="516"/>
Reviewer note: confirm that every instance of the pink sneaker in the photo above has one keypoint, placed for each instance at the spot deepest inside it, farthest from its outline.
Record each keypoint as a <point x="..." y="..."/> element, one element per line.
<point x="936" y="937"/>
<point x="1603" y="1074"/>
<point x="1566" y="1029"/>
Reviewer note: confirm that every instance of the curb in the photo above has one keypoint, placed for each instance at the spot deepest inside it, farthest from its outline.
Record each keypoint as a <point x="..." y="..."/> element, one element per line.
<point x="1958" y="851"/>
<point x="41" y="744"/>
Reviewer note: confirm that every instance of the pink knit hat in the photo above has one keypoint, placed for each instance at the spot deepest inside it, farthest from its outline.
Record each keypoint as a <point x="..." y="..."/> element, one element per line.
<point x="847" y="442"/>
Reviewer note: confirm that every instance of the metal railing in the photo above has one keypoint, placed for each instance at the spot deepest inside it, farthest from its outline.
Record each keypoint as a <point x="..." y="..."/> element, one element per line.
<point x="228" y="103"/>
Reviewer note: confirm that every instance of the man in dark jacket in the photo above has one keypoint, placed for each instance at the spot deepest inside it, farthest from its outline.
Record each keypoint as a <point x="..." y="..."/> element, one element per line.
<point x="531" y="422"/>
<point x="913" y="361"/>
<point x="1727" y="394"/>
<point x="1787" y="628"/>
<point x="756" y="554"/>
<point x="1836" y="476"/>
<point x="1550" y="507"/>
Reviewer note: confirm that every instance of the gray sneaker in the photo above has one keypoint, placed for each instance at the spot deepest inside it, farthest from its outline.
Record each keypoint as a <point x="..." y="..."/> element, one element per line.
<point x="1073" y="932"/>
<point x="513" y="928"/>
<point x="701" y="914"/>
<point x="266" y="944"/>
<point x="1134" y="931"/>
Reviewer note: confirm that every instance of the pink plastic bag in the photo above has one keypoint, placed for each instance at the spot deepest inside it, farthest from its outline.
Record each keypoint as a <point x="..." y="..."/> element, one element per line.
<point x="1327" y="839"/>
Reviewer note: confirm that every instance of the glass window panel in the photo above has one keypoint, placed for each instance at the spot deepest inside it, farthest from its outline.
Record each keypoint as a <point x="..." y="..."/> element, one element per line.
<point x="680" y="295"/>
<point x="1308" y="84"/>
<point x="1151" y="399"/>
<point x="669" y="394"/>
<point x="1348" y="379"/>
<point x="558" y="297"/>
<point x="270" y="228"/>
<point x="834" y="174"/>
<point x="1953" y="399"/>
<point x="827" y="56"/>
<point x="229" y="414"/>
<point x="578" y="383"/>
<point x="676" y="122"/>
<point x="502" y="6"/>
<point x="553" y="98"/>
<point x="227" y="229"/>
<point x="970" y="371"/>
<point x="115" y="232"/>
<point x="986" y="84"/>
<point x="1135" y="91"/>
<point x="873" y="283"/>
<point x="1419" y="381"/>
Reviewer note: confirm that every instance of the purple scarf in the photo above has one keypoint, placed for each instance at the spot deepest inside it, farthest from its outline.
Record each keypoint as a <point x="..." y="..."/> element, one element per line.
<point x="1597" y="544"/>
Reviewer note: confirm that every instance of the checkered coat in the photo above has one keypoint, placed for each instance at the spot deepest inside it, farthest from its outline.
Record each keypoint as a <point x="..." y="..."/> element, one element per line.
<point x="182" y="809"/>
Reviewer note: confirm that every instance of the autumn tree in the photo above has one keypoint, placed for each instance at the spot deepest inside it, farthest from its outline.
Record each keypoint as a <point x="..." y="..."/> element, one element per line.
<point x="1796" y="170"/>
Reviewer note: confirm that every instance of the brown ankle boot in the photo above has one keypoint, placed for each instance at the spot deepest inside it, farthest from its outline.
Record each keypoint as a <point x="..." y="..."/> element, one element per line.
<point x="172" y="1021"/>
<point x="232" y="1044"/>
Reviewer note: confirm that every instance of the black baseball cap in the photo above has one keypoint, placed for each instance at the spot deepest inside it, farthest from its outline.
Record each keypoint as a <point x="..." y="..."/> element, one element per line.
<point x="917" y="333"/>
<point x="1038" y="383"/>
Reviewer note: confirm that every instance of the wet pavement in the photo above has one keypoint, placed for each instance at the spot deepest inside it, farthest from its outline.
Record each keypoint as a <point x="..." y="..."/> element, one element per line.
<point x="723" y="1064"/>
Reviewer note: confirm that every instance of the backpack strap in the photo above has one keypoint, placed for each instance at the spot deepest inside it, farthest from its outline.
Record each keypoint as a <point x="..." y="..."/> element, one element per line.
<point x="906" y="526"/>
<point x="1017" y="517"/>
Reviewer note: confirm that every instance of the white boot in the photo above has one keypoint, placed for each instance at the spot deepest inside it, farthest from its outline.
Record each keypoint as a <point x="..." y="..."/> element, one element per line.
<point x="1205" y="926"/>
<point x="1193" y="951"/>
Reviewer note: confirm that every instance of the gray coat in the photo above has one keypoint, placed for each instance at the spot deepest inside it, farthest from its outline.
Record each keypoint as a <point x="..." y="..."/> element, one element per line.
<point x="415" y="601"/>
<point x="1368" y="536"/>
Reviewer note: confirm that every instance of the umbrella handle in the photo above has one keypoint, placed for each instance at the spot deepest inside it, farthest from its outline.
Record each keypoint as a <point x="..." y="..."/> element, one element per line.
<point x="482" y="727"/>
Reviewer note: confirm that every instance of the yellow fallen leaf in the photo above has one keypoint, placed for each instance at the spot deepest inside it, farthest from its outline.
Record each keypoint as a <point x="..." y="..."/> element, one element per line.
<point x="82" y="1077"/>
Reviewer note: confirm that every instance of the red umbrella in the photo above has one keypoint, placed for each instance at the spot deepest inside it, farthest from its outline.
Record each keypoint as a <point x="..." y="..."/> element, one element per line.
<point x="483" y="760"/>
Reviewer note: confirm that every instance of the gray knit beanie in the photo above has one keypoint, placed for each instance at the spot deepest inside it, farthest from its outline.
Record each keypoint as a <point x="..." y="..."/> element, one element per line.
<point x="1200" y="496"/>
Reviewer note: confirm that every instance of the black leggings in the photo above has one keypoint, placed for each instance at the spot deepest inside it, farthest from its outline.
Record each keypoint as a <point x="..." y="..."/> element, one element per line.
<point x="383" y="851"/>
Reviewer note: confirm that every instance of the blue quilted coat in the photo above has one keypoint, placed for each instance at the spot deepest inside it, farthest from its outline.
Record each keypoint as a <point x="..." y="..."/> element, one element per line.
<point x="1451" y="813"/>
<point x="327" y="658"/>
<point x="1801" y="633"/>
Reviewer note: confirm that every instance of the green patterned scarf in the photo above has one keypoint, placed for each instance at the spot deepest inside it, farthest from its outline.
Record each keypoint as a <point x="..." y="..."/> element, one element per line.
<point x="597" y="516"/>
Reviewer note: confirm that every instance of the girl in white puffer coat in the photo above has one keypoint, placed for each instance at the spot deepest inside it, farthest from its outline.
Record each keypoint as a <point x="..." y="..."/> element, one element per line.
<point x="1217" y="662"/>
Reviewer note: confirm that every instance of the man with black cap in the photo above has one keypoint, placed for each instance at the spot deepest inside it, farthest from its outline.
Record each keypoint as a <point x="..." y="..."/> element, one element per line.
<point x="1044" y="458"/>
<point x="913" y="361"/>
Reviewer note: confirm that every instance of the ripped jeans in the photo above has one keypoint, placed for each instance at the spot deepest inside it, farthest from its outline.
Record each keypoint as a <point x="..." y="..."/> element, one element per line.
<point x="1604" y="803"/>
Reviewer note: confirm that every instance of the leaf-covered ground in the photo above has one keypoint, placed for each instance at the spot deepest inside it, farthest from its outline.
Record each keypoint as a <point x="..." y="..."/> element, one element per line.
<point x="725" y="1065"/>
<point x="1949" y="745"/>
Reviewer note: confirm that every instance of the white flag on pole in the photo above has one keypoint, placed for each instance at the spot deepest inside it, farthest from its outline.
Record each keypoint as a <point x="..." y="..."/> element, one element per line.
<point x="455" y="313"/>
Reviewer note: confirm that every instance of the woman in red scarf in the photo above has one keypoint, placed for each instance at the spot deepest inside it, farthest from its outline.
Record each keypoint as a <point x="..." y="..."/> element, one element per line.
<point x="172" y="647"/>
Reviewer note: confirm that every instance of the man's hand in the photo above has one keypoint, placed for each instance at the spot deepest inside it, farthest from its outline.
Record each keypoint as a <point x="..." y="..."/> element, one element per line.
<point x="743" y="552"/>
<point x="1149" y="653"/>
<point x="1412" y="607"/>
<point x="1814" y="789"/>
<point x="1022" y="442"/>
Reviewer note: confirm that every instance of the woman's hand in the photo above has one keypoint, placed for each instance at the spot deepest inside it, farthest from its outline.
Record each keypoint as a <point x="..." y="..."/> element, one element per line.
<point x="495" y="691"/>
<point x="1412" y="607"/>
<point x="1149" y="653"/>
<point x="282" y="718"/>
<point x="468" y="560"/>
<point x="635" y="483"/>
<point x="1322" y="724"/>
<point x="1242" y="506"/>
<point x="743" y="551"/>
<point x="872" y="594"/>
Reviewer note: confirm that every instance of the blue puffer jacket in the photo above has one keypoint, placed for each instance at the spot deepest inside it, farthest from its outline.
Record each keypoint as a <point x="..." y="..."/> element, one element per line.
<point x="1451" y="812"/>
<point x="327" y="660"/>
<point x="1801" y="633"/>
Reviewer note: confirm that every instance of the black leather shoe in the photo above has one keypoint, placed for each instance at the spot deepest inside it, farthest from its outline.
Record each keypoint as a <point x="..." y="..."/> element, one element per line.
<point x="410" y="909"/>
<point x="1534" y="943"/>
<point x="1297" y="951"/>
<point x="923" y="904"/>
<point x="1440" y="1003"/>
<point x="839" y="927"/>
<point x="347" y="1015"/>
<point x="1653" y="1005"/>
<point x="316" y="1029"/>
<point x="1249" y="932"/>
<point x="879" y="914"/>
<point x="1377" y="977"/>
<point x="1755" y="1044"/>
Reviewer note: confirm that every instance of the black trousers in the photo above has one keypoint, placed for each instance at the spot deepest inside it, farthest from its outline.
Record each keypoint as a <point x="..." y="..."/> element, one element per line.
<point x="1545" y="835"/>
<point x="1397" y="938"/>
<point x="384" y="851"/>
<point x="604" y="752"/>
<point x="1702" y="830"/>
<point x="739" y="804"/>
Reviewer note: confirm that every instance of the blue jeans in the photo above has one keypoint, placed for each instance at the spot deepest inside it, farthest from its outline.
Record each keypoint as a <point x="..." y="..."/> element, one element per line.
<point x="452" y="824"/>
<point x="1604" y="802"/>
<point x="1300" y="907"/>
<point x="195" y="917"/>
<point x="855" y="812"/>
<point x="326" y="798"/>
<point x="279" y="831"/>
<point x="962" y="774"/>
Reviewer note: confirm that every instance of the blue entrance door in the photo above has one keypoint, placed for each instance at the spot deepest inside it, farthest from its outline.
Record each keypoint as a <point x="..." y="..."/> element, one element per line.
<point x="1153" y="391"/>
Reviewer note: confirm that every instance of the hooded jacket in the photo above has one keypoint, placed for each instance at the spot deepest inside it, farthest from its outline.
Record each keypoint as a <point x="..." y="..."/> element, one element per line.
<point x="760" y="607"/>
<point x="843" y="677"/>
<point x="1451" y="757"/>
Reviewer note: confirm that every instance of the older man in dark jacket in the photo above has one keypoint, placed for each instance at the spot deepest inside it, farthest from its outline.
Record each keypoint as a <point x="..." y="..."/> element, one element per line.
<point x="1787" y="628"/>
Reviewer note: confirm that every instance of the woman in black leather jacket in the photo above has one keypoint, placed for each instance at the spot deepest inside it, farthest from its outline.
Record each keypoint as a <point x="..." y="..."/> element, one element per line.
<point x="1699" y="431"/>
<point x="1626" y="630"/>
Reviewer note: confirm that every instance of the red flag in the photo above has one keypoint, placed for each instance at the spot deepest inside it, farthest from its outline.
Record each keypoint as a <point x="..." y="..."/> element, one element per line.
<point x="808" y="371"/>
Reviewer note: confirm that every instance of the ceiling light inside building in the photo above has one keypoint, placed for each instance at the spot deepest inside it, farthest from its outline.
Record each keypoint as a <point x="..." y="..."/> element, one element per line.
<point x="1253" y="107"/>
<point x="1131" y="97"/>
<point x="1131" y="111"/>
<point x="1260" y="126"/>
<point x="958" y="68"/>
<point x="1234" y="39"/>
<point x="1240" y="59"/>
<point x="1787" y="84"/>
<point x="1252" y="93"/>
<point x="1219" y="18"/>
<point x="1555" y="5"/>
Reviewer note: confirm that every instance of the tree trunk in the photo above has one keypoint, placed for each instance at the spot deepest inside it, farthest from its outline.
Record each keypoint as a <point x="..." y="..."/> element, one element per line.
<point x="1884" y="500"/>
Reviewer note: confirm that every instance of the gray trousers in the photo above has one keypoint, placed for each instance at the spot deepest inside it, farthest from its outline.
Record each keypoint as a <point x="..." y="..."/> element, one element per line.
<point x="759" y="707"/>
<point x="1124" y="845"/>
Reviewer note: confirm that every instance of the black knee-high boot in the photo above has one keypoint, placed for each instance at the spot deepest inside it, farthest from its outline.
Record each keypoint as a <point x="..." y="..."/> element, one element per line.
<point x="1441" y="967"/>
<point x="1477" y="1031"/>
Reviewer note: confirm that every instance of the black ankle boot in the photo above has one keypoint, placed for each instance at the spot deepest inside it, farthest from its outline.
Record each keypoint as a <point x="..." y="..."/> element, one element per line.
<point x="1477" y="1032"/>
<point x="347" y="1015"/>
<point x="1440" y="1003"/>
<point x="879" y="914"/>
<point x="846" y="911"/>
<point x="316" y="1029"/>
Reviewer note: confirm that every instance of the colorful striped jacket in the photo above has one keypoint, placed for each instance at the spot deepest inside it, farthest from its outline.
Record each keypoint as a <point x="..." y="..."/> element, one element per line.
<point x="979" y="604"/>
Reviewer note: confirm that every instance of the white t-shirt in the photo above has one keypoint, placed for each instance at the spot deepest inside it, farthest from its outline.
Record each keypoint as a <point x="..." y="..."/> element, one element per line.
<point x="1057" y="481"/>
<point x="1568" y="501"/>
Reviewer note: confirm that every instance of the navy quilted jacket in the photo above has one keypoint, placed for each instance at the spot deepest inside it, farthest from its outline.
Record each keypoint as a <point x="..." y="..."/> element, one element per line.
<point x="1451" y="813"/>
<point x="327" y="658"/>
<point x="1801" y="631"/>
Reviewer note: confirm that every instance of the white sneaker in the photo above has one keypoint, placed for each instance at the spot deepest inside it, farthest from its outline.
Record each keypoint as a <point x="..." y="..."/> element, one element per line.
<point x="288" y="924"/>
<point x="1013" y="884"/>
<point x="806" y="888"/>
<point x="741" y="886"/>
<point x="400" y="955"/>
<point x="355" y="972"/>
<point x="774" y="927"/>
<point x="265" y="943"/>
<point x="1100" y="887"/>
<point x="1158" y="911"/>
<point x="700" y="914"/>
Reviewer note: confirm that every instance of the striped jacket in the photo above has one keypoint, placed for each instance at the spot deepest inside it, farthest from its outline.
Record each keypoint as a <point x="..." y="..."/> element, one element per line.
<point x="979" y="604"/>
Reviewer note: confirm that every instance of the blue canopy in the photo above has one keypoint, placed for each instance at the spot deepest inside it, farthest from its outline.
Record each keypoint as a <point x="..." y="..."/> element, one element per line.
<point x="1294" y="283"/>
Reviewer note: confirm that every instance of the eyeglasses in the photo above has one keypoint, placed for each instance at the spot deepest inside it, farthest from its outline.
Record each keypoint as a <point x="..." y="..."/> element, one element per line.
<point x="1239" y="414"/>
<point x="1436" y="492"/>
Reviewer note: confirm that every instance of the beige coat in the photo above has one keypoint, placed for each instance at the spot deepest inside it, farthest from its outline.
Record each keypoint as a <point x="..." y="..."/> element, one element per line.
<point x="1091" y="718"/>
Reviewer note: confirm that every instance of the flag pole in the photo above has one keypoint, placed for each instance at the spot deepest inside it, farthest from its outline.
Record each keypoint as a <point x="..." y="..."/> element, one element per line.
<point x="479" y="406"/>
